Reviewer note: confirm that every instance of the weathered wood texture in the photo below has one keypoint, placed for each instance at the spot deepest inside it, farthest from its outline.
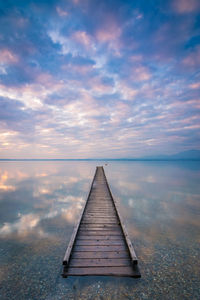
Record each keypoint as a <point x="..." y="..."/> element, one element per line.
<point x="100" y="244"/>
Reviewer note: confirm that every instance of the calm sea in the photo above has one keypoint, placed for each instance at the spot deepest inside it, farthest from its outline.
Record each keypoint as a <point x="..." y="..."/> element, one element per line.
<point x="39" y="206"/>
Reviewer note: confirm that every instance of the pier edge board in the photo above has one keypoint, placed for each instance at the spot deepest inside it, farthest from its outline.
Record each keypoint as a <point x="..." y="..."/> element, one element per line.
<point x="73" y="237"/>
<point x="128" y="241"/>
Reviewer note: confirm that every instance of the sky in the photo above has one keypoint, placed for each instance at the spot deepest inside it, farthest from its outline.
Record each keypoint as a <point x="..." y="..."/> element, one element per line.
<point x="99" y="79"/>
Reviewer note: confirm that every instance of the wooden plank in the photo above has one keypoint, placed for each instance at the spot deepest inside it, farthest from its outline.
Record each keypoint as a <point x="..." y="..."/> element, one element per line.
<point x="101" y="232"/>
<point x="101" y="228"/>
<point x="111" y="227"/>
<point x="96" y="242"/>
<point x="100" y="248"/>
<point x="97" y="222"/>
<point x="102" y="271"/>
<point x="99" y="237"/>
<point x="100" y="254"/>
<point x="97" y="218"/>
<point x="101" y="225"/>
<point x="99" y="209"/>
<point x="101" y="262"/>
<point x="100" y="205"/>
<point x="101" y="215"/>
<point x="104" y="230"/>
<point x="109" y="212"/>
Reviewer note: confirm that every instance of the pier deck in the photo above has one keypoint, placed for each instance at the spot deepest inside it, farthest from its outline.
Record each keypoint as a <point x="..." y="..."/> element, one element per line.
<point x="100" y="244"/>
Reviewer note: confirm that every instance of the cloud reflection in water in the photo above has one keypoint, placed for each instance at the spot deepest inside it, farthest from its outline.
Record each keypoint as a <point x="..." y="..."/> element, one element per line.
<point x="52" y="192"/>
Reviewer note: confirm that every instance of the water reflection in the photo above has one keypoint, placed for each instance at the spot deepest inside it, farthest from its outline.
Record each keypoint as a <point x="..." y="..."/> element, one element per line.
<point x="41" y="201"/>
<point x="30" y="196"/>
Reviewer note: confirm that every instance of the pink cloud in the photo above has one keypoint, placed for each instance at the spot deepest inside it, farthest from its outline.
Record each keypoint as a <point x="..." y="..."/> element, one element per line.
<point x="76" y="1"/>
<point x="120" y="113"/>
<point x="186" y="6"/>
<point x="193" y="59"/>
<point x="8" y="57"/>
<point x="194" y="103"/>
<point x="61" y="12"/>
<point x="97" y="86"/>
<point x="49" y="82"/>
<point x="128" y="93"/>
<point x="83" y="38"/>
<point x="21" y="22"/>
<point x="79" y="69"/>
<point x="141" y="74"/>
<point x="136" y="58"/>
<point x="180" y="107"/>
<point x="106" y="35"/>
<point x="195" y="85"/>
<point x="110" y="34"/>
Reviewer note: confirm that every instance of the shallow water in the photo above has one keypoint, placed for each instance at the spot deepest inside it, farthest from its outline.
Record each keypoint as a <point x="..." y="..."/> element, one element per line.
<point x="41" y="201"/>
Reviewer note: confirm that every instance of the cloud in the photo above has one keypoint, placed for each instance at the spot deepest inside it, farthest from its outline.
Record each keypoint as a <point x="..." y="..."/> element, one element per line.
<point x="31" y="223"/>
<point x="83" y="38"/>
<point x="184" y="6"/>
<point x="195" y="85"/>
<point x="192" y="60"/>
<point x="7" y="57"/>
<point x="4" y="184"/>
<point x="141" y="73"/>
<point x="13" y="115"/>
<point x="23" y="226"/>
<point x="61" y="12"/>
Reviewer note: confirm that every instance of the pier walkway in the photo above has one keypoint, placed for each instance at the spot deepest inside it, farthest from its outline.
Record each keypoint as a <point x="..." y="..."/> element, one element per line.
<point x="100" y="244"/>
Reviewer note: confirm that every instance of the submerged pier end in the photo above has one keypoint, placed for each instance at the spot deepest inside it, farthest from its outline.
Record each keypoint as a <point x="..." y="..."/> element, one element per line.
<point x="100" y="244"/>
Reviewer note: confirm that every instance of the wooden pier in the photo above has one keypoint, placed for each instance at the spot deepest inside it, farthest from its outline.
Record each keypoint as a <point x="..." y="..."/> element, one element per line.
<point x="100" y="244"/>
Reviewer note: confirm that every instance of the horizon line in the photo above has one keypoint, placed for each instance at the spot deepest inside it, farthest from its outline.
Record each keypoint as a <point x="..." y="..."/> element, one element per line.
<point x="100" y="159"/>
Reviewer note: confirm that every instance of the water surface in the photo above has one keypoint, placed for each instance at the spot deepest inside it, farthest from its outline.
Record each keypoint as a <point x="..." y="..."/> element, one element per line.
<point x="40" y="203"/>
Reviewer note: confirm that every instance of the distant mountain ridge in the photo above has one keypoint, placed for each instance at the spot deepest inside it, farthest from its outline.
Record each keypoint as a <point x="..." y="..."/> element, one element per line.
<point x="185" y="155"/>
